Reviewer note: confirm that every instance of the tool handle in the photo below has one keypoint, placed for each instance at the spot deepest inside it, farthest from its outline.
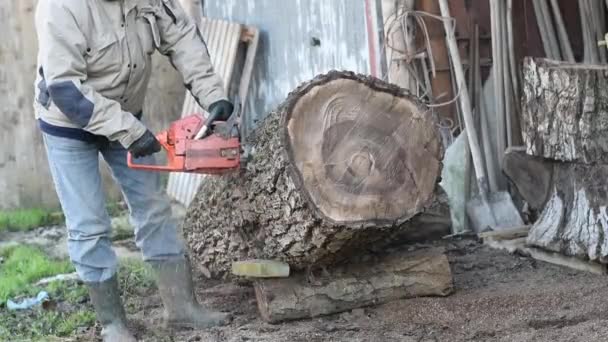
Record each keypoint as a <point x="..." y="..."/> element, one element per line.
<point x="213" y="115"/>
<point x="465" y="103"/>
<point x="149" y="167"/>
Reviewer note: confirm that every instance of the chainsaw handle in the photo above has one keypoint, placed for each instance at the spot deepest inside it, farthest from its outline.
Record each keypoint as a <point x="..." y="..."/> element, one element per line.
<point x="204" y="130"/>
<point x="163" y="142"/>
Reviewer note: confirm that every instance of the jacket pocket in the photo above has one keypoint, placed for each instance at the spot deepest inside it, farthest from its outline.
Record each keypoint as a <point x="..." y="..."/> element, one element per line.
<point x="104" y="55"/>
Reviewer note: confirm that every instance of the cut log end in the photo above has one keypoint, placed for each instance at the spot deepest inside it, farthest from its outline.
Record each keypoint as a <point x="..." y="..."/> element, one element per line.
<point x="347" y="163"/>
<point x="360" y="153"/>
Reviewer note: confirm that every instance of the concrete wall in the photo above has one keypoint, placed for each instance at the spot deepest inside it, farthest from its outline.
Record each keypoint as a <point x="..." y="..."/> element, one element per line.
<point x="287" y="54"/>
<point x="24" y="176"/>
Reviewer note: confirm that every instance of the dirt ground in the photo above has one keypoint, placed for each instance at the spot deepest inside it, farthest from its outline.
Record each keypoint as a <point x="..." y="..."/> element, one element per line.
<point x="498" y="297"/>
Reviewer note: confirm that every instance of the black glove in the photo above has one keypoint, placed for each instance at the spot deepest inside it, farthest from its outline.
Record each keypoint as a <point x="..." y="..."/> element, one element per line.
<point x="145" y="146"/>
<point x="225" y="109"/>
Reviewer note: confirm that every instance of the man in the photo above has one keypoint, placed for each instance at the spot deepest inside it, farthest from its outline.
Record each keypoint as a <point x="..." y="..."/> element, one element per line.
<point x="94" y="64"/>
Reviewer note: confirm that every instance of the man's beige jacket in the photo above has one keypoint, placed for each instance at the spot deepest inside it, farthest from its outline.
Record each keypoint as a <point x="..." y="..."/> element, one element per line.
<point x="94" y="64"/>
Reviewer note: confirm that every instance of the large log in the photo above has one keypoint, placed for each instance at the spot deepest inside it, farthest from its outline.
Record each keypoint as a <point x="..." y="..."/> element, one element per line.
<point x="405" y="275"/>
<point x="345" y="164"/>
<point x="565" y="111"/>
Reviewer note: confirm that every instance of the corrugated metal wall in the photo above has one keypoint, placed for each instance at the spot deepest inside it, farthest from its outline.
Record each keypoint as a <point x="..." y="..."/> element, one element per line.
<point x="300" y="39"/>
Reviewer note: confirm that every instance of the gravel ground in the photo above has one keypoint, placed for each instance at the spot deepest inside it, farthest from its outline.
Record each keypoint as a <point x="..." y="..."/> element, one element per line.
<point x="498" y="297"/>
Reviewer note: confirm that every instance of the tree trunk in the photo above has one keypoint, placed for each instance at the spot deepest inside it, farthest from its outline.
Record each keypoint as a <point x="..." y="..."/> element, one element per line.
<point x="565" y="120"/>
<point x="565" y="111"/>
<point x="574" y="220"/>
<point x="346" y="162"/>
<point x="571" y="200"/>
<point x="357" y="285"/>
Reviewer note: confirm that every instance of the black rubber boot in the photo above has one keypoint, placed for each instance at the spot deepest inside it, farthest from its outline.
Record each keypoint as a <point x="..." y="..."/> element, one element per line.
<point x="105" y="297"/>
<point x="182" y="310"/>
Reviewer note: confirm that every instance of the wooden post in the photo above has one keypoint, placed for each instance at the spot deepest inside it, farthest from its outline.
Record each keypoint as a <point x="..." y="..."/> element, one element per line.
<point x="399" y="43"/>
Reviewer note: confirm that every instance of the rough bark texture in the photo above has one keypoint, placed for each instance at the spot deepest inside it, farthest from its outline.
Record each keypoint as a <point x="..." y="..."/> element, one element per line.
<point x="267" y="211"/>
<point x="575" y="220"/>
<point x="571" y="199"/>
<point x="357" y="285"/>
<point x="566" y="119"/>
<point x="565" y="111"/>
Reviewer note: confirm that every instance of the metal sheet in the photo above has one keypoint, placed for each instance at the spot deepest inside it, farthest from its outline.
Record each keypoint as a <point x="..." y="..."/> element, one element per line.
<point x="222" y="40"/>
<point x="287" y="56"/>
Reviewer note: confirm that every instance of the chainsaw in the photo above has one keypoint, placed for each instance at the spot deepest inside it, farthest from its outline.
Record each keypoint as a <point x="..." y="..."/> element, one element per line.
<point x="198" y="145"/>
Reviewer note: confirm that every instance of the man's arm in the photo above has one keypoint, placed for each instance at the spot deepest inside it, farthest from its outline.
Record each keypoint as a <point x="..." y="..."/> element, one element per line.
<point x="62" y="49"/>
<point x="182" y="42"/>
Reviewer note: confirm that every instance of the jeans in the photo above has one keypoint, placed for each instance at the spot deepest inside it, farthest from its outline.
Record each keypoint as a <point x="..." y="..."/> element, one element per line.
<point x="74" y="166"/>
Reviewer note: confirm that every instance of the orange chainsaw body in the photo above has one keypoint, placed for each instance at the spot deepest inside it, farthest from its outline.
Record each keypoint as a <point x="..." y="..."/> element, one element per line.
<point x="217" y="153"/>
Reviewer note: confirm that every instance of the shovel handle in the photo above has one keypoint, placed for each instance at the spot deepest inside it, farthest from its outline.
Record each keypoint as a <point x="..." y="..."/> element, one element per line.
<point x="465" y="102"/>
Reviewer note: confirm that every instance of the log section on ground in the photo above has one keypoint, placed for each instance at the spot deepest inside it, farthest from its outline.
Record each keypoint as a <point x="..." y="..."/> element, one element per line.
<point x="572" y="201"/>
<point x="565" y="110"/>
<point x="574" y="220"/>
<point x="347" y="161"/>
<point x="409" y="275"/>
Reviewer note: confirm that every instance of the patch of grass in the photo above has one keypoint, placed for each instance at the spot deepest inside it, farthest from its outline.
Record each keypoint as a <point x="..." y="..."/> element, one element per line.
<point x="68" y="291"/>
<point x="115" y="209"/>
<point x="27" y="219"/>
<point x="135" y="276"/>
<point x="72" y="314"/>
<point x="23" y="266"/>
<point x="41" y="325"/>
<point x="75" y="320"/>
<point x="121" y="228"/>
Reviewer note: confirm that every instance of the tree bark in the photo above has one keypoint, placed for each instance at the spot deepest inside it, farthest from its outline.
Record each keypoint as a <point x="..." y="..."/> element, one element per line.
<point x="571" y="200"/>
<point x="565" y="111"/>
<point x="574" y="220"/>
<point x="344" y="164"/>
<point x="357" y="285"/>
<point x="565" y="121"/>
